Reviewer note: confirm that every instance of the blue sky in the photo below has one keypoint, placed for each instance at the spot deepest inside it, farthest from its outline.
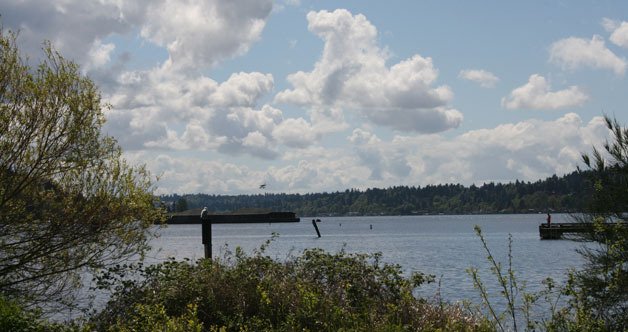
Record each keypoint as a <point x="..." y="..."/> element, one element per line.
<point x="309" y="96"/>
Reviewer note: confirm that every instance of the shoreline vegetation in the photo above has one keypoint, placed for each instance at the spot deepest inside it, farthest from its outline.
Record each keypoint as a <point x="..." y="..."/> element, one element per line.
<point x="312" y="291"/>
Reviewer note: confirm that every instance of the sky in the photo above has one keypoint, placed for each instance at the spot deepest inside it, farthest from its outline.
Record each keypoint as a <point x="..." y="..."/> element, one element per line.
<point x="220" y="97"/>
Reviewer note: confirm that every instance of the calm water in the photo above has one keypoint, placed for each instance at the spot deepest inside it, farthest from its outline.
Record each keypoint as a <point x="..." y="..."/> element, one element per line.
<point x="444" y="246"/>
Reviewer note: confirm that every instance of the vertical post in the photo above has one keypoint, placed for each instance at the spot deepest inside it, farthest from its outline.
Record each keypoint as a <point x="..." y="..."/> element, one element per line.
<point x="207" y="236"/>
<point x="316" y="228"/>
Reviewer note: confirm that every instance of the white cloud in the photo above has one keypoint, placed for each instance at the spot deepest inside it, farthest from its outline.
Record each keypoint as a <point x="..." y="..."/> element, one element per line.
<point x="196" y="33"/>
<point x="201" y="33"/>
<point x="528" y="150"/>
<point x="389" y="164"/>
<point x="573" y="53"/>
<point x="618" y="30"/>
<point x="194" y="175"/>
<point x="195" y="136"/>
<point x="352" y="74"/>
<point x="257" y="144"/>
<point x="99" y="54"/>
<point x="73" y="26"/>
<point x="297" y="133"/>
<point x="363" y="137"/>
<point x="171" y="106"/>
<point x="241" y="89"/>
<point x="536" y="94"/>
<point x="162" y="109"/>
<point x="485" y="78"/>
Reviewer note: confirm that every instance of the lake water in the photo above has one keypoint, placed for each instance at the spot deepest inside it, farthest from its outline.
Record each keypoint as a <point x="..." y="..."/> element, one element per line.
<point x="443" y="245"/>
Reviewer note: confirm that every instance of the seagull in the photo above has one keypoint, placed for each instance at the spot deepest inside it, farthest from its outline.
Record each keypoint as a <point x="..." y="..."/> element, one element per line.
<point x="204" y="213"/>
<point x="262" y="186"/>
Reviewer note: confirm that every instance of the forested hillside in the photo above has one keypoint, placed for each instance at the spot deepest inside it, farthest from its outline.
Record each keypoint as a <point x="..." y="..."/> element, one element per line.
<point x="556" y="194"/>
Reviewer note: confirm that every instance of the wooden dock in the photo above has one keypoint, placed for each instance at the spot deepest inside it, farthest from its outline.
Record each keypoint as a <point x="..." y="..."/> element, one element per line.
<point x="206" y="220"/>
<point x="555" y="231"/>
<point x="234" y="218"/>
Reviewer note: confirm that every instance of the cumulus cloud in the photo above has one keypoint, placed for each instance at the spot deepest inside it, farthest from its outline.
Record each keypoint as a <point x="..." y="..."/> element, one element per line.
<point x="241" y="89"/>
<point x="174" y="105"/>
<point x="485" y="78"/>
<point x="618" y="30"/>
<point x="246" y="130"/>
<point x="390" y="164"/>
<point x="196" y="33"/>
<point x="74" y="27"/>
<point x="162" y="109"/>
<point x="352" y="74"/>
<point x="200" y="32"/>
<point x="99" y="54"/>
<point x="536" y="94"/>
<point x="363" y="137"/>
<point x="528" y="150"/>
<point x="297" y="133"/>
<point x="574" y="53"/>
<point x="196" y="175"/>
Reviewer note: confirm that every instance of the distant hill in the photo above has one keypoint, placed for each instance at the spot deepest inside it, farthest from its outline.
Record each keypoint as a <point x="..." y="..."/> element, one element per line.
<point x="554" y="194"/>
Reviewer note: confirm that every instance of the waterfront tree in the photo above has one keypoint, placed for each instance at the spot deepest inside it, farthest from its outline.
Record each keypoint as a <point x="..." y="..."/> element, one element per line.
<point x="601" y="287"/>
<point x="68" y="200"/>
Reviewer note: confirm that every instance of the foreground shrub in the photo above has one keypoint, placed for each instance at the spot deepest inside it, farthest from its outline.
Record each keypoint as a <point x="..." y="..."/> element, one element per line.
<point x="317" y="291"/>
<point x="15" y="318"/>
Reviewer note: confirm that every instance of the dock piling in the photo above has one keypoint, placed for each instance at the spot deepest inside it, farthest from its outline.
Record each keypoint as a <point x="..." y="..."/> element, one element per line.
<point x="207" y="236"/>
<point x="316" y="227"/>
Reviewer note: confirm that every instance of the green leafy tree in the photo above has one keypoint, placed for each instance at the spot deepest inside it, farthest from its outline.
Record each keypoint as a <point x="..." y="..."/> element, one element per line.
<point x="68" y="200"/>
<point x="601" y="288"/>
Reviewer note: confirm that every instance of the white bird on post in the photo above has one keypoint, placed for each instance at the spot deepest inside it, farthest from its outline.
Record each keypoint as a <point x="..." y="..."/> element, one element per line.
<point x="204" y="213"/>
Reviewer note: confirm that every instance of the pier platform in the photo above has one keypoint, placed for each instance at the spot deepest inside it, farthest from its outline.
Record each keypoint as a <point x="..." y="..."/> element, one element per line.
<point x="555" y="231"/>
<point x="234" y="218"/>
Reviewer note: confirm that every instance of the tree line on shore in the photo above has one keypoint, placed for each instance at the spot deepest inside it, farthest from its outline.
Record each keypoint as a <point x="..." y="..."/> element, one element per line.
<point x="567" y="193"/>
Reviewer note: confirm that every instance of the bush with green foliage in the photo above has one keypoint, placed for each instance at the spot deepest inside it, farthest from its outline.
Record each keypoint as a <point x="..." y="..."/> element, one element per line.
<point x="316" y="291"/>
<point x="600" y="289"/>
<point x="15" y="318"/>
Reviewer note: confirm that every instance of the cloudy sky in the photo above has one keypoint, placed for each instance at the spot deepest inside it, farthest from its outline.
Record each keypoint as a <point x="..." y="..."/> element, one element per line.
<point x="220" y="96"/>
